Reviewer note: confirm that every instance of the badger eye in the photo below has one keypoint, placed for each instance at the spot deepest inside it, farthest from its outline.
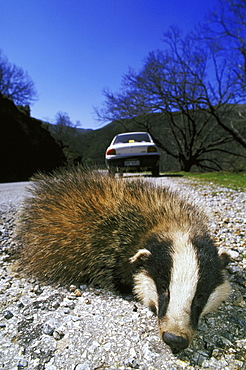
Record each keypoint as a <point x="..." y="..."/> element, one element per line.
<point x="163" y="303"/>
<point x="198" y="299"/>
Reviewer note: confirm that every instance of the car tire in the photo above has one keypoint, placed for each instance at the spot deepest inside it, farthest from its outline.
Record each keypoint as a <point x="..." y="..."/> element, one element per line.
<point x="120" y="171"/>
<point x="155" y="171"/>
<point x="111" y="171"/>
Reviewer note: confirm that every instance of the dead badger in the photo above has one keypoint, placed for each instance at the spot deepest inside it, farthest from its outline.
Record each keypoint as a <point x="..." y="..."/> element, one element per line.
<point x="125" y="235"/>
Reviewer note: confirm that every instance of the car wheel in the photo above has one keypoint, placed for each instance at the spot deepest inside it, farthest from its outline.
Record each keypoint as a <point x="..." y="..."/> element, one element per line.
<point x="155" y="171"/>
<point x="111" y="171"/>
<point x="120" y="170"/>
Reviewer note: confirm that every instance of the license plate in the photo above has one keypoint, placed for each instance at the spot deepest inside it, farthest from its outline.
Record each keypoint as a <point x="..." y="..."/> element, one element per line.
<point x="131" y="163"/>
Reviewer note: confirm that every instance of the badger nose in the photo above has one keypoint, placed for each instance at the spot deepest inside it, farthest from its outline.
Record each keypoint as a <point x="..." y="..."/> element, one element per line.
<point x="176" y="342"/>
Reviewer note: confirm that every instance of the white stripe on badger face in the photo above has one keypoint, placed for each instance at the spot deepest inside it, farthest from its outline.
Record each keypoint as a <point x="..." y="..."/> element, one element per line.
<point x="145" y="290"/>
<point x="183" y="284"/>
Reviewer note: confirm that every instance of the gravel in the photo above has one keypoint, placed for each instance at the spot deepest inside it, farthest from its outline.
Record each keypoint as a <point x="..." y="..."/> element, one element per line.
<point x="85" y="328"/>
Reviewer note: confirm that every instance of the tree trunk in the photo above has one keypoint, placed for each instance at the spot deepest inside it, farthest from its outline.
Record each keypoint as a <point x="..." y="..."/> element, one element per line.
<point x="186" y="164"/>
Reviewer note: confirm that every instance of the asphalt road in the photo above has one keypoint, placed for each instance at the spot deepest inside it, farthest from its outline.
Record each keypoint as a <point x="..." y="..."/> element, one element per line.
<point x="12" y="192"/>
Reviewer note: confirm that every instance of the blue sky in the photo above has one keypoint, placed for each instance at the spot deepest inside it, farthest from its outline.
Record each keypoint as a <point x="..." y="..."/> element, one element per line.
<point x="73" y="49"/>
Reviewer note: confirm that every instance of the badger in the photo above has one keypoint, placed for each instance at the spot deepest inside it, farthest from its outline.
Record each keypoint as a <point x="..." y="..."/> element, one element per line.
<point x="82" y="226"/>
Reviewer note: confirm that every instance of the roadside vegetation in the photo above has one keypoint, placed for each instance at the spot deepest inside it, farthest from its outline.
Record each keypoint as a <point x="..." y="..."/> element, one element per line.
<point x="231" y="180"/>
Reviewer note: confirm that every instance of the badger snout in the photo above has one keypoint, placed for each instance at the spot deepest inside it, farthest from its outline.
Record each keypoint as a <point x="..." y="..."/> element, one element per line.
<point x="175" y="342"/>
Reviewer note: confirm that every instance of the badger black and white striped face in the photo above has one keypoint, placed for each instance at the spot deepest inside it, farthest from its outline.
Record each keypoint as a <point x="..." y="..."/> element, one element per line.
<point x="181" y="280"/>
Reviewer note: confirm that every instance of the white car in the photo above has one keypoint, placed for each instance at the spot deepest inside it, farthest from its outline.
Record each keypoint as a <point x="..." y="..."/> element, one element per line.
<point x="132" y="151"/>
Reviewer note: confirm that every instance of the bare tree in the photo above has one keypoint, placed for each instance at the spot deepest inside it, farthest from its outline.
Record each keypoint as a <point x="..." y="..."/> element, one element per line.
<point x="225" y="30"/>
<point x="174" y="85"/>
<point x="15" y="83"/>
<point x="65" y="133"/>
<point x="217" y="86"/>
<point x="62" y="128"/>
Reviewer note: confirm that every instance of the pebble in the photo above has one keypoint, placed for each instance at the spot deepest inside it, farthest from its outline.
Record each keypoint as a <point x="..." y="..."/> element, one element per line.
<point x="84" y="328"/>
<point x="22" y="364"/>
<point x="58" y="334"/>
<point x="7" y="314"/>
<point x="48" y="329"/>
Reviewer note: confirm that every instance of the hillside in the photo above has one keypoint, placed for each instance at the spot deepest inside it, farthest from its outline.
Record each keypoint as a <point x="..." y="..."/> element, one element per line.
<point x="28" y="145"/>
<point x="92" y="145"/>
<point x="25" y="146"/>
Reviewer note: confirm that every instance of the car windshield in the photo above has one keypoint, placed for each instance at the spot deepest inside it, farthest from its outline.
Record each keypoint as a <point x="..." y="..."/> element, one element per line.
<point x="132" y="138"/>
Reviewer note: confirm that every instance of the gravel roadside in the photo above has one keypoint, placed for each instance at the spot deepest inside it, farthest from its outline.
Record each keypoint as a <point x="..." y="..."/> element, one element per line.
<point x="84" y="328"/>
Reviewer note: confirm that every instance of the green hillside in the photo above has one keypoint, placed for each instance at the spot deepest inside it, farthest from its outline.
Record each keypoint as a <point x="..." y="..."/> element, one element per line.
<point x="90" y="145"/>
<point x="95" y="143"/>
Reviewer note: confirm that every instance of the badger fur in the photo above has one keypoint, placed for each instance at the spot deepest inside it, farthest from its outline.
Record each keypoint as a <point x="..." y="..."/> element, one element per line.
<point x="83" y="226"/>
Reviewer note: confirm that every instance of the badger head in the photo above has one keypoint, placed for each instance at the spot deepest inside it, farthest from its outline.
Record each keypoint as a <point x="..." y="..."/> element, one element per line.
<point x="181" y="279"/>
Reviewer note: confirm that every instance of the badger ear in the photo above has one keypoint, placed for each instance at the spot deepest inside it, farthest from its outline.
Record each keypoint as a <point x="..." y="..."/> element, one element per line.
<point x="224" y="258"/>
<point x="140" y="257"/>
